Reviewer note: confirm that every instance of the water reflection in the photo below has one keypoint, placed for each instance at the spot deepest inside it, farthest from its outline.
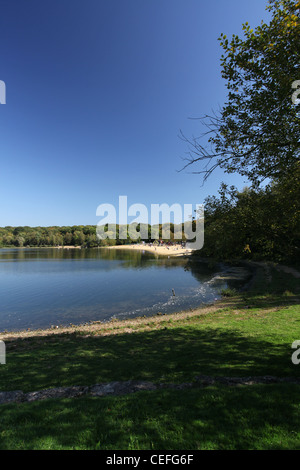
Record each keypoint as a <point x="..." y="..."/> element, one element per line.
<point x="44" y="286"/>
<point x="129" y="258"/>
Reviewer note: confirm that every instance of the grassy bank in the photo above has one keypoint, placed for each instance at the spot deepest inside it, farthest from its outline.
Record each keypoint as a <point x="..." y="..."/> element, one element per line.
<point x="258" y="417"/>
<point x="246" y="334"/>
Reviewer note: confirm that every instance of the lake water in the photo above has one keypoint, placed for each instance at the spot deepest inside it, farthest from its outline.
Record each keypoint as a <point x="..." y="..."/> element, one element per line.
<point x="47" y="287"/>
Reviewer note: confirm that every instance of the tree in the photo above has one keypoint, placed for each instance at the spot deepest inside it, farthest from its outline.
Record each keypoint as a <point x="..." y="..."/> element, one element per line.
<point x="78" y="237"/>
<point x="256" y="223"/>
<point x="257" y="131"/>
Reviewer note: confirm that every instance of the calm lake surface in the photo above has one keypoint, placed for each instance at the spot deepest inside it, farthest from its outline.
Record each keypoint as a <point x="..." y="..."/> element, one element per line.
<point x="41" y="287"/>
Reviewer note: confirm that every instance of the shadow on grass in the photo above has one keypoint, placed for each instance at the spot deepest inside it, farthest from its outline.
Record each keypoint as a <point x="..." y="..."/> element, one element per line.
<point x="256" y="417"/>
<point x="266" y="285"/>
<point x="170" y="354"/>
<point x="268" y="290"/>
<point x="173" y="353"/>
<point x="264" y="301"/>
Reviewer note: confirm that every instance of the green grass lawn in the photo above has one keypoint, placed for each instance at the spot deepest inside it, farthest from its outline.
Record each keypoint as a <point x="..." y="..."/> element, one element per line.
<point x="250" y="334"/>
<point x="228" y="342"/>
<point x="256" y="417"/>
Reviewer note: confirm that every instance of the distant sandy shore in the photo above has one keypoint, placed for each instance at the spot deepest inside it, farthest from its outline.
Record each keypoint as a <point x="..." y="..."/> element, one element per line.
<point x="67" y="247"/>
<point x="158" y="250"/>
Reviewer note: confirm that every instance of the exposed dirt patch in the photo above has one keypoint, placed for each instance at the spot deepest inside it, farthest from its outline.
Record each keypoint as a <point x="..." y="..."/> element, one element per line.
<point x="124" y="388"/>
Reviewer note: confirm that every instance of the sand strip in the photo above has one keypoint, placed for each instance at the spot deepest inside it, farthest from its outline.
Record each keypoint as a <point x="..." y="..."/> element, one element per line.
<point x="163" y="250"/>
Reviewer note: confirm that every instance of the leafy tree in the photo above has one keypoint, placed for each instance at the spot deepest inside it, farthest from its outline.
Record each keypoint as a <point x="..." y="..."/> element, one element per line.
<point x="261" y="223"/>
<point x="257" y="131"/>
<point x="68" y="237"/>
<point x="19" y="241"/>
<point x="78" y="237"/>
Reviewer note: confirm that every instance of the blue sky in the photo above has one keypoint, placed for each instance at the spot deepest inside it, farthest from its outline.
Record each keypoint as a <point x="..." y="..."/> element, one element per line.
<point x="97" y="93"/>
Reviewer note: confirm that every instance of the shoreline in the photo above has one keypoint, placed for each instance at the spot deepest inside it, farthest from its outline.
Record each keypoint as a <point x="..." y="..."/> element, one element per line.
<point x="157" y="250"/>
<point x="113" y="326"/>
<point x="128" y="325"/>
<point x="66" y="247"/>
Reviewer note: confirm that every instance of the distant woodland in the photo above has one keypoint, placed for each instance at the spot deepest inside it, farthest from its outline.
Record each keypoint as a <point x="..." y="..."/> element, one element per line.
<point x="249" y="224"/>
<point x="77" y="235"/>
<point x="256" y="134"/>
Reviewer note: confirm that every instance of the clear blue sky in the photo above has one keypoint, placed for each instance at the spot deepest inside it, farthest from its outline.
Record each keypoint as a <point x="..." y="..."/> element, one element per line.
<point x="97" y="92"/>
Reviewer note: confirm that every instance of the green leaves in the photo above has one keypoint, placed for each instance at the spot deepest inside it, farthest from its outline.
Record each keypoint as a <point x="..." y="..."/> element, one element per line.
<point x="257" y="131"/>
<point x="255" y="223"/>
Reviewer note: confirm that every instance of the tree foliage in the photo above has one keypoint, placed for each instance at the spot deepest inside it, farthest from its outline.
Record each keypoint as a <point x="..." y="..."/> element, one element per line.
<point x="77" y="235"/>
<point x="256" y="223"/>
<point x="257" y="131"/>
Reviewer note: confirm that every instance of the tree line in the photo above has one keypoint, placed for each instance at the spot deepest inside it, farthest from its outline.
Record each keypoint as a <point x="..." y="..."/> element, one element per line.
<point x="256" y="134"/>
<point x="77" y="235"/>
<point x="255" y="223"/>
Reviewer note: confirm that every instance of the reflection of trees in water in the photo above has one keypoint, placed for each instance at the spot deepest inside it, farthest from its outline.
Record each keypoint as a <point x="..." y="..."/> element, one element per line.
<point x="203" y="269"/>
<point x="200" y="269"/>
<point x="140" y="258"/>
<point x="130" y="258"/>
<point x="41" y="253"/>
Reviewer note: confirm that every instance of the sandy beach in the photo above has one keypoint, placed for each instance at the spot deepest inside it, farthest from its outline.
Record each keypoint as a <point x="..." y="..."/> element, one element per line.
<point x="68" y="247"/>
<point x="158" y="250"/>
